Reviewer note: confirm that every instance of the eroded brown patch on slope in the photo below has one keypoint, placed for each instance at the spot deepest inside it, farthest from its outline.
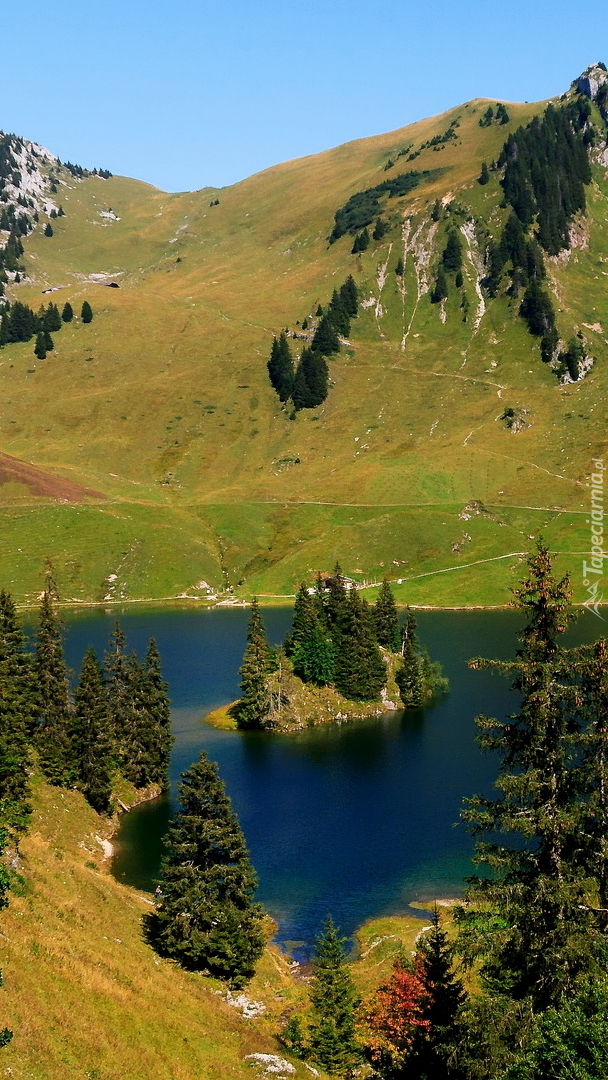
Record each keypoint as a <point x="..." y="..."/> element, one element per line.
<point x="43" y="483"/>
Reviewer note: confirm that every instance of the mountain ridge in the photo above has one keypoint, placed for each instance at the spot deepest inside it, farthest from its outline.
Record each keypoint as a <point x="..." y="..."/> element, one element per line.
<point x="414" y="411"/>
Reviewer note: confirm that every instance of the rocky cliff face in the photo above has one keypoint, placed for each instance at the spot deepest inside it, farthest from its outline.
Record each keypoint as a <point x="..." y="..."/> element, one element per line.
<point x="592" y="80"/>
<point x="25" y="171"/>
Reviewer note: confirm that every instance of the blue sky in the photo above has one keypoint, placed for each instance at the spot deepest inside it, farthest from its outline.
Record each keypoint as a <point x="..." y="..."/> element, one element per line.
<point x="191" y="94"/>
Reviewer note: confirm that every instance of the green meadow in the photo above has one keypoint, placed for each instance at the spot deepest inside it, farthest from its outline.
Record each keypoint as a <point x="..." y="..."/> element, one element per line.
<point x="188" y="478"/>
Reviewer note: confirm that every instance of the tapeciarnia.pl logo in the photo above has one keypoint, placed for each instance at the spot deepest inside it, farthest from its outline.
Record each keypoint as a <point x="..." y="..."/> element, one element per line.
<point x="593" y="571"/>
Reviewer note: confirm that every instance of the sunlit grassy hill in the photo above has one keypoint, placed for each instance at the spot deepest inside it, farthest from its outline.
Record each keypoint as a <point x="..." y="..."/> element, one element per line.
<point x="84" y="995"/>
<point x="161" y="408"/>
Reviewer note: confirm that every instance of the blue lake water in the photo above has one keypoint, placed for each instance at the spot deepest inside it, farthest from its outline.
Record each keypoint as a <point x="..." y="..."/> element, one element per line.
<point x="356" y="820"/>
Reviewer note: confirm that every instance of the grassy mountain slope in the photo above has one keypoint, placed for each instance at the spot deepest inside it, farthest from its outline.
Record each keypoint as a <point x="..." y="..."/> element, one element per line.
<point x="86" y="997"/>
<point x="162" y="405"/>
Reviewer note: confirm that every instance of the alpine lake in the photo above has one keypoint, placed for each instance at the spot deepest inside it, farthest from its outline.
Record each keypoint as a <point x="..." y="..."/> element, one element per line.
<point x="355" y="820"/>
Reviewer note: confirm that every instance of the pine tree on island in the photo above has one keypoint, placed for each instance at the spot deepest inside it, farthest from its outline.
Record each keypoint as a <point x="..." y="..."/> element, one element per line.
<point x="386" y="619"/>
<point x="360" y="671"/>
<point x="205" y="916"/>
<point x="253" y="707"/>
<point x="333" y="1042"/>
<point x="309" y="644"/>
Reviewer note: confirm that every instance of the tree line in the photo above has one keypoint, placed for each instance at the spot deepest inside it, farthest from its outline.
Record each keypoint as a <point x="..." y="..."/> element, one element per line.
<point x="20" y="323"/>
<point x="545" y="171"/>
<point x="115" y="720"/>
<point x="306" y="383"/>
<point x="337" y="640"/>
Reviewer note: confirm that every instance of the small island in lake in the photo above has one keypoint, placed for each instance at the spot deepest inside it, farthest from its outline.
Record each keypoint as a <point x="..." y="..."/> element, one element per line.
<point x="342" y="660"/>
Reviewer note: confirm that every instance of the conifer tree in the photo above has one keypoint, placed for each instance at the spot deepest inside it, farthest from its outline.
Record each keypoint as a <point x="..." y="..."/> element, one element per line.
<point x="205" y="916"/>
<point x="408" y="677"/>
<point x="386" y="619"/>
<point x="442" y="1003"/>
<point x="334" y="1000"/>
<point x="86" y="312"/>
<point x="252" y="709"/>
<point x="135" y="731"/>
<point x="536" y="930"/>
<point x="16" y="720"/>
<point x="67" y="313"/>
<point x="118" y="688"/>
<point x="333" y="600"/>
<point x="51" y="319"/>
<point x="52" y="690"/>
<point x="360" y="672"/>
<point x="338" y="315"/>
<point x="302" y="612"/>
<point x="160" y="739"/>
<point x="311" y="380"/>
<point x="484" y="176"/>
<point x="280" y="367"/>
<point x="90" y="740"/>
<point x="325" y="339"/>
<point x="349" y="294"/>
<point x="310" y="642"/>
<point x="452" y="253"/>
<point x="40" y="346"/>
<point x="440" y="289"/>
<point x="361" y="242"/>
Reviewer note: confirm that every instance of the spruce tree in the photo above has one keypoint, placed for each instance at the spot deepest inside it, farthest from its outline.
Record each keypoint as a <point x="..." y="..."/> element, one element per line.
<point x="361" y="242"/>
<point x="252" y="708"/>
<point x="313" y="650"/>
<point x="386" y="619"/>
<point x="53" y="704"/>
<point x="205" y="916"/>
<point x="409" y="678"/>
<point x="311" y="380"/>
<point x="90" y="740"/>
<point x="452" y="253"/>
<point x="86" y="312"/>
<point x="118" y="688"/>
<point x="67" y="313"/>
<point x="349" y="294"/>
<point x="536" y="930"/>
<point x="16" y="720"/>
<point x="360" y="672"/>
<point x="160" y="739"/>
<point x="442" y="1002"/>
<point x="333" y="1042"/>
<point x="325" y="338"/>
<point x="40" y="346"/>
<point x="484" y="176"/>
<point x="280" y="367"/>
<point x="338" y="315"/>
<point x="137" y="726"/>
<point x="51" y="320"/>
<point x="440" y="288"/>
